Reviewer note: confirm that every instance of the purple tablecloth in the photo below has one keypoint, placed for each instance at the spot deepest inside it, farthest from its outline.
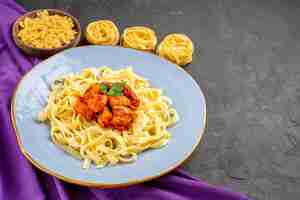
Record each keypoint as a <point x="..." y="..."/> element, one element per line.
<point x="21" y="181"/>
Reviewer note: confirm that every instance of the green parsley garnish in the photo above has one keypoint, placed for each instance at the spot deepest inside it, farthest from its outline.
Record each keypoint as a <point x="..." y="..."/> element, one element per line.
<point x="104" y="88"/>
<point x="116" y="89"/>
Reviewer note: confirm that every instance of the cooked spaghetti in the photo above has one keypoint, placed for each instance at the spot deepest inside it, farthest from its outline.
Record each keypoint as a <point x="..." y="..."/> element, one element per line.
<point x="93" y="142"/>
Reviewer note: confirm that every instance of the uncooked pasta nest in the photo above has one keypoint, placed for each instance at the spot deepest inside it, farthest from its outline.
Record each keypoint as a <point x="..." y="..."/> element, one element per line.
<point x="140" y="38"/>
<point x="102" y="32"/>
<point x="47" y="31"/>
<point x="177" y="48"/>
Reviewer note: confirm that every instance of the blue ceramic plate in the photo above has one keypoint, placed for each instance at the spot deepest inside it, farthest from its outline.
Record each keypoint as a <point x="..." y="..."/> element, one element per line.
<point x="34" y="138"/>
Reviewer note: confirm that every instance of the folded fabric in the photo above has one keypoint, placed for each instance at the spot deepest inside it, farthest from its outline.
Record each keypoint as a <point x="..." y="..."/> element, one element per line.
<point x="21" y="181"/>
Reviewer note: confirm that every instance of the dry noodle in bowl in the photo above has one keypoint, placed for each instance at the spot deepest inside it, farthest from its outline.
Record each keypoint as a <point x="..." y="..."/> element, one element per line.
<point x="94" y="141"/>
<point x="47" y="31"/>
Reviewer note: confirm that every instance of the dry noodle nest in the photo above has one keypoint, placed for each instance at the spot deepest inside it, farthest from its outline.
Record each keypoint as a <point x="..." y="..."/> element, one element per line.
<point x="102" y="32"/>
<point x="140" y="38"/>
<point x="177" y="48"/>
<point x="47" y="31"/>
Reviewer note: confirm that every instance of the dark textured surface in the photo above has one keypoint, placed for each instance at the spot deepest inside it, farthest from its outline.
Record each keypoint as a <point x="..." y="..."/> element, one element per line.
<point x="247" y="63"/>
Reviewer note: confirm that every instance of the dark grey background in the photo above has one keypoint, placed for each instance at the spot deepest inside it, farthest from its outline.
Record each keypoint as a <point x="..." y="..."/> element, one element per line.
<point x="247" y="62"/>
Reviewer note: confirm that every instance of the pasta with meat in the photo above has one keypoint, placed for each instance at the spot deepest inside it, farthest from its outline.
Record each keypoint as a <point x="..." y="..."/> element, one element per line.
<point x="92" y="141"/>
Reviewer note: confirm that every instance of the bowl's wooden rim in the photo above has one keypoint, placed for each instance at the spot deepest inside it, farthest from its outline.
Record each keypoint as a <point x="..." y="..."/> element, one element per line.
<point x="22" y="45"/>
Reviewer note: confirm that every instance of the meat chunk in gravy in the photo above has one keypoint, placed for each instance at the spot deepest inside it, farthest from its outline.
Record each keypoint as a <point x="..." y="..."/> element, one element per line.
<point x="109" y="111"/>
<point x="97" y="102"/>
<point x="122" y="118"/>
<point x="134" y="101"/>
<point x="83" y="110"/>
<point x="105" y="117"/>
<point x="118" y="101"/>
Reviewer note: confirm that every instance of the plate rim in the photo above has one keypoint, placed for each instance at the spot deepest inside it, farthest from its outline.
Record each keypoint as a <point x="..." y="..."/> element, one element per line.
<point x="92" y="183"/>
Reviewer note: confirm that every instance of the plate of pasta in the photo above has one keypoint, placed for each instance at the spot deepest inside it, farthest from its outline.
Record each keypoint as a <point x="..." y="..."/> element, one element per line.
<point x="107" y="116"/>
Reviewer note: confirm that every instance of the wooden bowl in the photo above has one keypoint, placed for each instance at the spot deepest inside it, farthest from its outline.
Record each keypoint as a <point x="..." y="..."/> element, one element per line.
<point x="44" y="52"/>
